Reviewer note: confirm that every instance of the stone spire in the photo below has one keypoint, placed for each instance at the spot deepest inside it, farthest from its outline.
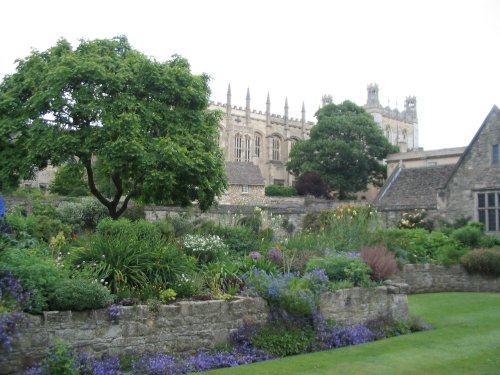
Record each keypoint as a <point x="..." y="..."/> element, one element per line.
<point x="303" y="121"/>
<point x="268" y="111"/>
<point x="247" y="109"/>
<point x="286" y="111"/>
<point x="228" y="102"/>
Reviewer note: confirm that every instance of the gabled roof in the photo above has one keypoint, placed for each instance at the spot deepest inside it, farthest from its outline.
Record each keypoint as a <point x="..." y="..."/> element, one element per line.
<point x="494" y="110"/>
<point x="243" y="174"/>
<point x="409" y="188"/>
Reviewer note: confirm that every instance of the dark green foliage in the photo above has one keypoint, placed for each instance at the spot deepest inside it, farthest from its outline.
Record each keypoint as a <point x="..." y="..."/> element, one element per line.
<point x="70" y="180"/>
<point x="42" y="227"/>
<point x="79" y="294"/>
<point x="145" y="123"/>
<point x="44" y="209"/>
<point x="342" y="267"/>
<point x="483" y="261"/>
<point x="132" y="255"/>
<point x="241" y="240"/>
<point x="311" y="183"/>
<point x="418" y="245"/>
<point x="469" y="235"/>
<point x="37" y="273"/>
<point x="280" y="191"/>
<point x="489" y="241"/>
<point x="281" y="341"/>
<point x="345" y="148"/>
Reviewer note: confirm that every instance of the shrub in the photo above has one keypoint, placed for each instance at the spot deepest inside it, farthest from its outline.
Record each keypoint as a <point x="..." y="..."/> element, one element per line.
<point x="239" y="239"/>
<point x="469" y="235"/>
<point x="311" y="183"/>
<point x="44" y="209"/>
<point x="38" y="274"/>
<point x="381" y="261"/>
<point x="131" y="255"/>
<point x="340" y="267"/>
<point x="82" y="215"/>
<point x="415" y="220"/>
<point x="252" y="221"/>
<point x="79" y="294"/>
<point x="134" y="212"/>
<point x="206" y="248"/>
<point x="280" y="191"/>
<point x="281" y="341"/>
<point x="69" y="180"/>
<point x="482" y="261"/>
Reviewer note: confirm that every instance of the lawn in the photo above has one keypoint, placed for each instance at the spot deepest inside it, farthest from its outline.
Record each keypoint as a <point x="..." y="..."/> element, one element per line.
<point x="465" y="340"/>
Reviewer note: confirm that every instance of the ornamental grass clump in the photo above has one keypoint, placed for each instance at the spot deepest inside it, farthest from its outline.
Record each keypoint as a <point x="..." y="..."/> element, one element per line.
<point x="482" y="261"/>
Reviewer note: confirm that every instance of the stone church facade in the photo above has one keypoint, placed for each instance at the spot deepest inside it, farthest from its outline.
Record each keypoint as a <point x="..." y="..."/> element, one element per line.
<point x="265" y="139"/>
<point x="262" y="138"/>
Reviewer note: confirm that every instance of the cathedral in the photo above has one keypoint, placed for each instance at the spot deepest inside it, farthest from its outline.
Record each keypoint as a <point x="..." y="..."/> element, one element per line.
<point x="265" y="139"/>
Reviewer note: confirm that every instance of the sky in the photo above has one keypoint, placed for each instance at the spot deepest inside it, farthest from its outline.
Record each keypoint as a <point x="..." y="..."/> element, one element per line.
<point x="446" y="53"/>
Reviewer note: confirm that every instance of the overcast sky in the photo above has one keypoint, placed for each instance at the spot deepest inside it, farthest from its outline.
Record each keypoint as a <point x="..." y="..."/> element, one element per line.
<point x="446" y="53"/>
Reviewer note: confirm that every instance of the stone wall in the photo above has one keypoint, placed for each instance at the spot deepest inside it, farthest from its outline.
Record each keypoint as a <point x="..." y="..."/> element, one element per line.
<point x="430" y="278"/>
<point x="184" y="326"/>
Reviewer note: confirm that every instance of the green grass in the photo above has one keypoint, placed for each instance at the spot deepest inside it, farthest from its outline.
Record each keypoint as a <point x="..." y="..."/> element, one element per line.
<point x="465" y="340"/>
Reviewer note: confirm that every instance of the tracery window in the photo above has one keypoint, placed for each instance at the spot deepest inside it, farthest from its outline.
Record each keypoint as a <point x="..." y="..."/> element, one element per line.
<point x="488" y="210"/>
<point x="258" y="142"/>
<point x="238" y="141"/>
<point x="276" y="148"/>
<point x="247" y="149"/>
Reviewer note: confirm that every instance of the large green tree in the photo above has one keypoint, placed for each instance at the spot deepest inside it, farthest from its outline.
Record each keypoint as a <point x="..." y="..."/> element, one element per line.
<point x="147" y="122"/>
<point x="345" y="149"/>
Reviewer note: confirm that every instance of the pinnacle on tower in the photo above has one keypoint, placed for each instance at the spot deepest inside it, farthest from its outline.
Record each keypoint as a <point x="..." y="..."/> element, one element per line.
<point x="372" y="100"/>
<point x="303" y="113"/>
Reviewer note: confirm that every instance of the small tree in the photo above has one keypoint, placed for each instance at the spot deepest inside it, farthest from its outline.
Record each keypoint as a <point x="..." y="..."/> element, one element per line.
<point x="145" y="121"/>
<point x="311" y="183"/>
<point x="345" y="148"/>
<point x="70" y="180"/>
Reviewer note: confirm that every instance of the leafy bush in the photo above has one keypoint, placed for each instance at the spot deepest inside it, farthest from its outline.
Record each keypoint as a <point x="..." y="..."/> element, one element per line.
<point x="134" y="212"/>
<point x="41" y="227"/>
<point x="340" y="267"/>
<point x="79" y="294"/>
<point x="239" y="239"/>
<point x="280" y="191"/>
<point x="311" y="183"/>
<point x="469" y="235"/>
<point x="281" y="341"/>
<point x="417" y="245"/>
<point x="252" y="221"/>
<point x="44" y="209"/>
<point x="82" y="215"/>
<point x="482" y="261"/>
<point x="206" y="248"/>
<point x="69" y="180"/>
<point x="38" y="274"/>
<point x="381" y="261"/>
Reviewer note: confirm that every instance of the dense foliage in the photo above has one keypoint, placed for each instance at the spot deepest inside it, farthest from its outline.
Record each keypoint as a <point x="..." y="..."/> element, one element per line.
<point x="145" y="122"/>
<point x="280" y="191"/>
<point x="345" y="149"/>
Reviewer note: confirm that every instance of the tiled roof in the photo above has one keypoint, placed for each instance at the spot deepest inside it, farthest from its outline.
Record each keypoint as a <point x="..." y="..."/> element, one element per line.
<point x="243" y="174"/>
<point x="409" y="188"/>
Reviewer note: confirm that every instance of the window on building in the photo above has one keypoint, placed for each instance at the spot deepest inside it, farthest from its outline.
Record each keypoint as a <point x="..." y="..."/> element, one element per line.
<point x="247" y="150"/>
<point x="276" y="148"/>
<point x="279" y="182"/>
<point x="488" y="210"/>
<point x="258" y="141"/>
<point x="495" y="157"/>
<point x="244" y="189"/>
<point x="238" y="140"/>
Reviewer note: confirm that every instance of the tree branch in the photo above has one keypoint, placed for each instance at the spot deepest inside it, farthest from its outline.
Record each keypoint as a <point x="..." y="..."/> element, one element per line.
<point x="93" y="189"/>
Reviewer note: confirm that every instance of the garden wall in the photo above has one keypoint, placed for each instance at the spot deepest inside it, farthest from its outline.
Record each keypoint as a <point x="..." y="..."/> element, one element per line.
<point x="430" y="278"/>
<point x="184" y="326"/>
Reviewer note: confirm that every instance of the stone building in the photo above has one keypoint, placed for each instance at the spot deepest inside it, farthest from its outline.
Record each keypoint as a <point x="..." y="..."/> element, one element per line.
<point x="470" y="188"/>
<point x="245" y="184"/>
<point x="400" y="128"/>
<point x="261" y="138"/>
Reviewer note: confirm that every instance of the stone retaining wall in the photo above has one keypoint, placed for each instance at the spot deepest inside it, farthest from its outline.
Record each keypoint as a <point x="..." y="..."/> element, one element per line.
<point x="430" y="278"/>
<point x="184" y="326"/>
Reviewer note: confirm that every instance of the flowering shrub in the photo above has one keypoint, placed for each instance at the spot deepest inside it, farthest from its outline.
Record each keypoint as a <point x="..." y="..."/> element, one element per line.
<point x="330" y="336"/>
<point x="297" y="296"/>
<point x="414" y="220"/>
<point x="205" y="248"/>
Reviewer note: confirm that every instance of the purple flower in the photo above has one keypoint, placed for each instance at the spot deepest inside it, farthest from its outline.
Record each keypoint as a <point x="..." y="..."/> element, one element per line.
<point x="275" y="256"/>
<point x="255" y="255"/>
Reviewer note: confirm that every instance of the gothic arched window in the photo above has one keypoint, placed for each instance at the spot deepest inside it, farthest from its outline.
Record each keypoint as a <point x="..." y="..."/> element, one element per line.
<point x="258" y="141"/>
<point x="276" y="148"/>
<point x="247" y="149"/>
<point x="238" y="140"/>
<point x="388" y="133"/>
